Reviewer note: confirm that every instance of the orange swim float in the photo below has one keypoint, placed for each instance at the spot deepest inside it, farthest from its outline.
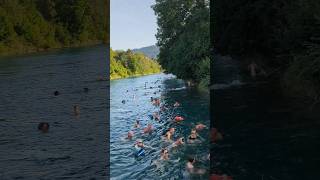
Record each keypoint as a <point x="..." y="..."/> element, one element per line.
<point x="220" y="177"/>
<point x="178" y="118"/>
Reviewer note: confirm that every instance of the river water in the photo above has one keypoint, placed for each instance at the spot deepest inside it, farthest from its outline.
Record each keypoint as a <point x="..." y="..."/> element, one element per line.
<point x="137" y="93"/>
<point x="266" y="134"/>
<point x="74" y="147"/>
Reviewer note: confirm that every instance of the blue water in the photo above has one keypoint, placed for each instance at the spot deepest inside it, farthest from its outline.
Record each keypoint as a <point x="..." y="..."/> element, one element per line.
<point x="74" y="147"/>
<point x="194" y="107"/>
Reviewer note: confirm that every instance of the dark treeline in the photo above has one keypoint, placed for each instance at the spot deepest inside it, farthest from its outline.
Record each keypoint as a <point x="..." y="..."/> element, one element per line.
<point x="35" y="25"/>
<point x="283" y="36"/>
<point x="184" y="38"/>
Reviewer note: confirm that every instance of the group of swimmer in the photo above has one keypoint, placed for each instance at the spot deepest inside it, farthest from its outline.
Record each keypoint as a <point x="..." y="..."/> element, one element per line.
<point x="44" y="126"/>
<point x="168" y="137"/>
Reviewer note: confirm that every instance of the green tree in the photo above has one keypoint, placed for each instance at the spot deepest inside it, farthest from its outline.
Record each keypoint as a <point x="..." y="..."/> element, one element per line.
<point x="183" y="36"/>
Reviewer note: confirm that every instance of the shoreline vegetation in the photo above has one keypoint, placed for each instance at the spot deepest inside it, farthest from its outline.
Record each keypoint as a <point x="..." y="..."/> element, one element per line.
<point x="284" y="41"/>
<point x="43" y="25"/>
<point x="183" y="38"/>
<point x="124" y="64"/>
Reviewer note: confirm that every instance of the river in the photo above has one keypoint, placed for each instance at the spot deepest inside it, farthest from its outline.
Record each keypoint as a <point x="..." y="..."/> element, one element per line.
<point x="74" y="147"/>
<point x="136" y="93"/>
<point x="267" y="135"/>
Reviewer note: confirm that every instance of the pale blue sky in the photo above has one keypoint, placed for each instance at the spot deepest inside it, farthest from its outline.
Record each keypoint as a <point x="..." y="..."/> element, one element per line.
<point x="133" y="24"/>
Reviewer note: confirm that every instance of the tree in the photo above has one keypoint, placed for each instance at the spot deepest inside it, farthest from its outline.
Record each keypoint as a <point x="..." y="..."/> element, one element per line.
<point x="183" y="36"/>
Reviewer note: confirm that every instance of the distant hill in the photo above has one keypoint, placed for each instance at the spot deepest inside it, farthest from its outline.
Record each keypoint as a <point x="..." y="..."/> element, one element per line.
<point x="150" y="51"/>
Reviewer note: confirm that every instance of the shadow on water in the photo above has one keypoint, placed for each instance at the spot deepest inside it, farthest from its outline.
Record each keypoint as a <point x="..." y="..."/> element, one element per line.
<point x="266" y="135"/>
<point x="137" y="106"/>
<point x="74" y="147"/>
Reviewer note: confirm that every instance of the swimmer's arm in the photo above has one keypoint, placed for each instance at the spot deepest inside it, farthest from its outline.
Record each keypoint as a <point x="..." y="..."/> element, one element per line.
<point x="175" y="161"/>
<point x="196" y="171"/>
<point x="201" y="138"/>
<point x="149" y="147"/>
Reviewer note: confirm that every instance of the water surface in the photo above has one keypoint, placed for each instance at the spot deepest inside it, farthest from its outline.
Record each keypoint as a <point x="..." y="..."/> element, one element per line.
<point x="74" y="147"/>
<point x="137" y="93"/>
<point x="267" y="135"/>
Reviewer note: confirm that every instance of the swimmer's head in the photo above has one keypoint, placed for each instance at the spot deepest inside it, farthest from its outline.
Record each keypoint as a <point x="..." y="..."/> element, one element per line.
<point x="191" y="160"/>
<point x="130" y="134"/>
<point x="171" y="130"/>
<point x="43" y="126"/>
<point x="56" y="93"/>
<point x="76" y="109"/>
<point x="164" y="151"/>
<point x="193" y="131"/>
<point x="139" y="142"/>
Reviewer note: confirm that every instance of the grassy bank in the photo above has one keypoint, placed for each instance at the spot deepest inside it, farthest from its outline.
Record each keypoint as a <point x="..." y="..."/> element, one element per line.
<point x="40" y="25"/>
<point x="25" y="49"/>
<point x="125" y="64"/>
<point x="137" y="75"/>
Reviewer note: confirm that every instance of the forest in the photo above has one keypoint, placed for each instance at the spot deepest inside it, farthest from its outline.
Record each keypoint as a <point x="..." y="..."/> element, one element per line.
<point x="184" y="39"/>
<point x="282" y="36"/>
<point x="128" y="63"/>
<point x="37" y="25"/>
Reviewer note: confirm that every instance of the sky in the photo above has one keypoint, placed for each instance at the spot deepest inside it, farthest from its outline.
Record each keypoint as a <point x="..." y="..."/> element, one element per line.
<point x="133" y="24"/>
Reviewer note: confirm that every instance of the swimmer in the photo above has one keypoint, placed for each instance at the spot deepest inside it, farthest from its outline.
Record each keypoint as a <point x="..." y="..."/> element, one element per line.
<point x="130" y="135"/>
<point x="140" y="145"/>
<point x="163" y="108"/>
<point x="76" y="110"/>
<point x="148" y="129"/>
<point x="137" y="124"/>
<point x="193" y="136"/>
<point x="44" y="127"/>
<point x="215" y="135"/>
<point x="169" y="134"/>
<point x="86" y="90"/>
<point x="156" y="116"/>
<point x="156" y="101"/>
<point x="176" y="104"/>
<point x="178" y="142"/>
<point x="191" y="169"/>
<point x="164" y="154"/>
<point x="123" y="101"/>
<point x="56" y="93"/>
<point x="200" y="126"/>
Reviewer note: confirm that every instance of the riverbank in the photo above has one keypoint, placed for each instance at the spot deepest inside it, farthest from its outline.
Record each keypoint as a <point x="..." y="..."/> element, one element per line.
<point x="297" y="79"/>
<point x="125" y="64"/>
<point x="133" y="76"/>
<point x="24" y="49"/>
<point x="37" y="26"/>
